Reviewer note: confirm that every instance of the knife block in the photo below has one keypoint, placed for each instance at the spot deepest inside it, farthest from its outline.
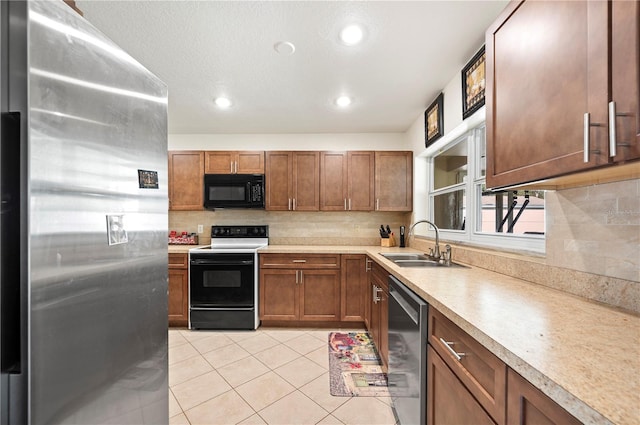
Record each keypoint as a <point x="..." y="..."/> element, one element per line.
<point x="387" y="242"/>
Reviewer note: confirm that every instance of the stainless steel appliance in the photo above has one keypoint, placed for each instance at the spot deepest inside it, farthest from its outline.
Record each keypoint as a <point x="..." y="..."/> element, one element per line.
<point x="83" y="224"/>
<point x="223" y="278"/>
<point x="407" y="373"/>
<point x="234" y="191"/>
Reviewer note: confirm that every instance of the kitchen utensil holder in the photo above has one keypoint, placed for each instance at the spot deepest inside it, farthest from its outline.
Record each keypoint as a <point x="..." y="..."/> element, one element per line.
<point x="387" y="242"/>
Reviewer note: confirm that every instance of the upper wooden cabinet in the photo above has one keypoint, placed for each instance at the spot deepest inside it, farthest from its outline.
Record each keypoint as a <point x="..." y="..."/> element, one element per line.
<point x="292" y="181"/>
<point x="234" y="162"/>
<point x="550" y="77"/>
<point x="394" y="181"/>
<point x="347" y="181"/>
<point x="625" y="79"/>
<point x="186" y="179"/>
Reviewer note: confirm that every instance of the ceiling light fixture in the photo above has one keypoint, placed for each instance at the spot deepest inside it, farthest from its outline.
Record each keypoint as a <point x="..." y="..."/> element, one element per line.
<point x="351" y="35"/>
<point x="285" y="48"/>
<point x="343" y="101"/>
<point x="223" y="102"/>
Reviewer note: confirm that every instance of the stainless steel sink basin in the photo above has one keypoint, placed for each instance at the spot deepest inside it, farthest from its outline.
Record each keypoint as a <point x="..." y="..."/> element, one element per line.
<point x="404" y="257"/>
<point x="416" y="260"/>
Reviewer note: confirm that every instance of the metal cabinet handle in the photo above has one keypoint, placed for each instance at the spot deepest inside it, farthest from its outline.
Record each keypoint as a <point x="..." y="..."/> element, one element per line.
<point x="612" y="129"/>
<point x="349" y="204"/>
<point x="377" y="204"/>
<point x="453" y="352"/>
<point x="294" y="204"/>
<point x="367" y="265"/>
<point x="587" y="126"/>
<point x="298" y="261"/>
<point x="586" y="137"/>
<point x="236" y="162"/>
<point x="376" y="298"/>
<point x="289" y="204"/>
<point x="231" y="164"/>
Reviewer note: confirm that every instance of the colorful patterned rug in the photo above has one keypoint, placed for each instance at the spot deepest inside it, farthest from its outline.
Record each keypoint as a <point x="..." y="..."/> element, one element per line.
<point x="355" y="368"/>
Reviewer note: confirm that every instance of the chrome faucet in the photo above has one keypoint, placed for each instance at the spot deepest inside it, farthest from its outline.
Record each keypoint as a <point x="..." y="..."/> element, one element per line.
<point x="435" y="253"/>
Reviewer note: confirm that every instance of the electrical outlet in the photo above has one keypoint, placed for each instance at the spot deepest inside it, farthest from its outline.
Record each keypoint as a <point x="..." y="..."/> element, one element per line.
<point x="200" y="228"/>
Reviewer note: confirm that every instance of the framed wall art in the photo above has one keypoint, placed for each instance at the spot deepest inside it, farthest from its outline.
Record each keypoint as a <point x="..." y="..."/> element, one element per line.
<point x="434" y="121"/>
<point x="473" y="84"/>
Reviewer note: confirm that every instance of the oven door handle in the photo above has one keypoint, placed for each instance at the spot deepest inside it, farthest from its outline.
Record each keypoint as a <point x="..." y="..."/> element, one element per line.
<point x="192" y="308"/>
<point x="221" y="263"/>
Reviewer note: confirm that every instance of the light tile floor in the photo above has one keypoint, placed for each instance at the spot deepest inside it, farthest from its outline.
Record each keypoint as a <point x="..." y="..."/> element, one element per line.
<point x="267" y="376"/>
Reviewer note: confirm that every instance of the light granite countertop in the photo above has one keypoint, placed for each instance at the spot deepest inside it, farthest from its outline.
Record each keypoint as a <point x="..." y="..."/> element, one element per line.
<point x="582" y="354"/>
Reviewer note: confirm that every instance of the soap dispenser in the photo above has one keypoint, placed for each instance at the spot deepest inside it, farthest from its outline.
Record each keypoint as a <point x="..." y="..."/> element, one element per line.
<point x="401" y="236"/>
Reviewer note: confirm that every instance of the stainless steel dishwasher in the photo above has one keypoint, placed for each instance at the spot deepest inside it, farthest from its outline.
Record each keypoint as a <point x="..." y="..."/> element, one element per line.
<point x="407" y="373"/>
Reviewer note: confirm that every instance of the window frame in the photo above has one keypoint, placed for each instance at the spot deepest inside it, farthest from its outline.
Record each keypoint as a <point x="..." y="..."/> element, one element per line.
<point x="473" y="136"/>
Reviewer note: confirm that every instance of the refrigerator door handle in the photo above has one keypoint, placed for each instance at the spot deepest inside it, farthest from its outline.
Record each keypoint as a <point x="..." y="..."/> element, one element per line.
<point x="10" y="318"/>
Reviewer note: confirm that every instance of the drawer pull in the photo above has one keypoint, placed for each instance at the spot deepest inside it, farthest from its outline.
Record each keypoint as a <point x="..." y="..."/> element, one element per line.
<point x="453" y="352"/>
<point x="298" y="261"/>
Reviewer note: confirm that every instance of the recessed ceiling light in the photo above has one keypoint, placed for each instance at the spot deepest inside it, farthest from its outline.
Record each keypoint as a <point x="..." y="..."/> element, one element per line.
<point x="285" y="48"/>
<point x="343" y="101"/>
<point x="223" y="102"/>
<point x="351" y="35"/>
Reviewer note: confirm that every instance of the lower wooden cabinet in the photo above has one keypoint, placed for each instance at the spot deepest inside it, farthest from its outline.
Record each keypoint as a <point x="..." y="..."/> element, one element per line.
<point x="353" y="288"/>
<point x="467" y="384"/>
<point x="379" y="310"/>
<point x="527" y="405"/>
<point x="448" y="400"/>
<point x="178" y="302"/>
<point x="299" y="287"/>
<point x="482" y="373"/>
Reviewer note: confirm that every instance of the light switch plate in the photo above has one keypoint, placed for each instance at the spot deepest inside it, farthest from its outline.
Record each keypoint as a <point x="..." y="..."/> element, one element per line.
<point x="200" y="228"/>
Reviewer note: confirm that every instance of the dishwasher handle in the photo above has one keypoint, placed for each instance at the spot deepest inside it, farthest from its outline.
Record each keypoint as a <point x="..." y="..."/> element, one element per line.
<point x="412" y="312"/>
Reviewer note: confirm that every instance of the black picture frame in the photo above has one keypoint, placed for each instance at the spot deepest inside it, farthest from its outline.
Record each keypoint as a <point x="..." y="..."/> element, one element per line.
<point x="434" y="121"/>
<point x="473" y="83"/>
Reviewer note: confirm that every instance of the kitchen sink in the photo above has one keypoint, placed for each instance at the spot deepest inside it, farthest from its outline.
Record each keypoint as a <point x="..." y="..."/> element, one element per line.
<point x="405" y="257"/>
<point x="416" y="260"/>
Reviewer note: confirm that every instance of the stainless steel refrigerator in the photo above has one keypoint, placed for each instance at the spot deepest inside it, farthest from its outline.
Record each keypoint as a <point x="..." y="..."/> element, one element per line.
<point x="83" y="167"/>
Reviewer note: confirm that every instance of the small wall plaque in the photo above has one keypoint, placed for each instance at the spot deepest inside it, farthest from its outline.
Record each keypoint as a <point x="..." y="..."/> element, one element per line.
<point x="148" y="179"/>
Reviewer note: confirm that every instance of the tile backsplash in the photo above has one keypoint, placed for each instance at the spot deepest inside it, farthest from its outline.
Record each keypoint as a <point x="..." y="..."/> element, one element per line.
<point x="296" y="228"/>
<point x="596" y="229"/>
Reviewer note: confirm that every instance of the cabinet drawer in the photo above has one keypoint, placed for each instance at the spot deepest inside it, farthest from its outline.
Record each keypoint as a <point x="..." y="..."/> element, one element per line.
<point x="300" y="261"/>
<point x="178" y="261"/>
<point x="482" y="373"/>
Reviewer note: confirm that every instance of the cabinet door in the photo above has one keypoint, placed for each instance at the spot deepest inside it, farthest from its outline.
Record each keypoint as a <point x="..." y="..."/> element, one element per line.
<point x="320" y="295"/>
<point x="219" y="162"/>
<point x="374" y="328"/>
<point x="306" y="181"/>
<point x="526" y="405"/>
<point x="448" y="401"/>
<point x="394" y="181"/>
<point x="333" y="181"/>
<point x="279" y="295"/>
<point x="353" y="288"/>
<point x="178" y="302"/>
<point x="546" y="67"/>
<point x="278" y="177"/>
<point x="367" y="294"/>
<point x="360" y="179"/>
<point x="625" y="58"/>
<point x="249" y="162"/>
<point x="186" y="180"/>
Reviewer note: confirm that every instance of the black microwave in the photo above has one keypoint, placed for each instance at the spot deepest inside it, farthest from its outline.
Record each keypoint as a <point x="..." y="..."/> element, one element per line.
<point x="234" y="191"/>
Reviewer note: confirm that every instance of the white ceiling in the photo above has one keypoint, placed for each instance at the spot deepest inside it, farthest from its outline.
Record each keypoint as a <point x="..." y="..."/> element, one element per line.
<point x="205" y="49"/>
